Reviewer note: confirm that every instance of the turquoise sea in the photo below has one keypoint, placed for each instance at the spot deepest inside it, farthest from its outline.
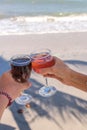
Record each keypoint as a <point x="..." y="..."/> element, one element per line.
<point x="42" y="16"/>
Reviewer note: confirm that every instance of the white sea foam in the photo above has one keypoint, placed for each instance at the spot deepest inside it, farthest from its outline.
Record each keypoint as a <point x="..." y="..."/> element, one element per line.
<point x="43" y="24"/>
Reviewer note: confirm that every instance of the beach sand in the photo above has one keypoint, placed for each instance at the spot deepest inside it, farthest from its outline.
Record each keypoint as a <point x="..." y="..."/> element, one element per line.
<point x="67" y="109"/>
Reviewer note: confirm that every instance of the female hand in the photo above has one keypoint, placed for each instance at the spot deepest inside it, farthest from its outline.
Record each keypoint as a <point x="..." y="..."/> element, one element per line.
<point x="10" y="86"/>
<point x="59" y="71"/>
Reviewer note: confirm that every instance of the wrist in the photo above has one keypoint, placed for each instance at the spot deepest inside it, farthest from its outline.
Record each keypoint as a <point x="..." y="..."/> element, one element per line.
<point x="3" y="104"/>
<point x="3" y="101"/>
<point x="77" y="80"/>
<point x="7" y="100"/>
<point x="66" y="76"/>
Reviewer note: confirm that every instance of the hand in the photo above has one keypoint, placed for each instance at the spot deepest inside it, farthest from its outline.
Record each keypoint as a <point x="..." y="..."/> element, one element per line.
<point x="59" y="71"/>
<point x="10" y="86"/>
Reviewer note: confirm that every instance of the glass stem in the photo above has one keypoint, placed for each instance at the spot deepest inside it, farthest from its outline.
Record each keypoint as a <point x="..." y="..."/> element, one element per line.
<point x="46" y="82"/>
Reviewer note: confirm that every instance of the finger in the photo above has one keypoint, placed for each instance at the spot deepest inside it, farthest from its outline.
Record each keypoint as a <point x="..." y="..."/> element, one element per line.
<point x="26" y="85"/>
<point x="50" y="76"/>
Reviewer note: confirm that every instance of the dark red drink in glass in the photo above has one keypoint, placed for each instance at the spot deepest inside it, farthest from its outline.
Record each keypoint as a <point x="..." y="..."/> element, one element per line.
<point x="21" y="68"/>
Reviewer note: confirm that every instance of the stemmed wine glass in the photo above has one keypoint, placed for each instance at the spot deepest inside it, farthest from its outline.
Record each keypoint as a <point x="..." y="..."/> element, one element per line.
<point x="21" y="70"/>
<point x="42" y="58"/>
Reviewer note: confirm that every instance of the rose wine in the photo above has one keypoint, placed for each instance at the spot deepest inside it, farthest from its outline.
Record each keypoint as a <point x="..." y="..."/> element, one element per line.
<point x="42" y="61"/>
<point x="21" y="69"/>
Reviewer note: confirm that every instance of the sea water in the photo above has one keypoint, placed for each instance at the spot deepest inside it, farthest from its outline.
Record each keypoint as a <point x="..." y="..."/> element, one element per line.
<point x="42" y="16"/>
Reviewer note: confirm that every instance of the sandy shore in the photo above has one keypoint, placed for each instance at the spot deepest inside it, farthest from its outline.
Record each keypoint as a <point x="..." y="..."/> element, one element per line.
<point x="62" y="42"/>
<point x="67" y="109"/>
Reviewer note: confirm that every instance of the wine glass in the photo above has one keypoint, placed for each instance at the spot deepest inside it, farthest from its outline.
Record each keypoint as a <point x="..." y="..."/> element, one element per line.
<point x="21" y="70"/>
<point x="42" y="58"/>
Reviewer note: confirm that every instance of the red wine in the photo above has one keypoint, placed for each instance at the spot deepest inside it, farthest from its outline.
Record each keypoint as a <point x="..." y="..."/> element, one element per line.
<point x="21" y="69"/>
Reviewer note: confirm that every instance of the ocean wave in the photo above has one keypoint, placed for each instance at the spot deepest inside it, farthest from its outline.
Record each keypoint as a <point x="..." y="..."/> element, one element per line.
<point x="43" y="24"/>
